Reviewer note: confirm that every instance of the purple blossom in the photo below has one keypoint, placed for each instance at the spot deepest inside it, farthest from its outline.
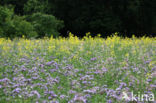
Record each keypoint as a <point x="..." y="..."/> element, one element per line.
<point x="5" y="80"/>
<point x="72" y="92"/>
<point x="147" y="62"/>
<point x="153" y="75"/>
<point x="122" y="84"/>
<point x="56" y="65"/>
<point x="118" y="89"/>
<point x="149" y="80"/>
<point x="34" y="78"/>
<point x="50" y="63"/>
<point x="87" y="96"/>
<point x="84" y="82"/>
<point x="109" y="101"/>
<point x="79" y="98"/>
<point x="90" y="91"/>
<point x="135" y="69"/>
<point x="153" y="69"/>
<point x="41" y="65"/>
<point x="36" y="93"/>
<point x="93" y="59"/>
<point x="50" y="98"/>
<point x="104" y="70"/>
<point x="52" y="70"/>
<point x="62" y="96"/>
<point x="51" y="93"/>
<point x="153" y="86"/>
<point x="53" y="102"/>
<point x="17" y="90"/>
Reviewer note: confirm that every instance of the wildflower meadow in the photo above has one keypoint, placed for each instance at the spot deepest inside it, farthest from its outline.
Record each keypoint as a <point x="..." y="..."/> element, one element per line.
<point x="78" y="70"/>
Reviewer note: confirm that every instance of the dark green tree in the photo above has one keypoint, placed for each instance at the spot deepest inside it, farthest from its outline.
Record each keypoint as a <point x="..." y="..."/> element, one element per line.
<point x="45" y="25"/>
<point x="96" y="16"/>
<point x="12" y="25"/>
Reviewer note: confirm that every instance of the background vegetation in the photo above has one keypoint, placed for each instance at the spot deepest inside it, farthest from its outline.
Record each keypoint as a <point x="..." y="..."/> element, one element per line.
<point x="38" y="18"/>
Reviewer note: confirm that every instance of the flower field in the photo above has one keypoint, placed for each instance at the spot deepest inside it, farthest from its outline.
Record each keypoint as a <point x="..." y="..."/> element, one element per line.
<point x="73" y="70"/>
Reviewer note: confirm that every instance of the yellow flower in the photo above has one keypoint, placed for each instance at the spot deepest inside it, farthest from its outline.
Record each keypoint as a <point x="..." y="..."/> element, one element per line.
<point x="88" y="34"/>
<point x="152" y="63"/>
<point x="99" y="35"/>
<point x="89" y="53"/>
<point x="56" y="60"/>
<point x="127" y="54"/>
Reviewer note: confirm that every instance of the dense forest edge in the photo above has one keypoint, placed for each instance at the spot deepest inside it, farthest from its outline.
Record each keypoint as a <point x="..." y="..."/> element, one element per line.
<point x="38" y="18"/>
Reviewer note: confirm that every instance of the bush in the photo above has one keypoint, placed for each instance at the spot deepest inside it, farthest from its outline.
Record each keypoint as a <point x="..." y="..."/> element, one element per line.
<point x="45" y="25"/>
<point x="14" y="26"/>
<point x="22" y="27"/>
<point x="35" y="25"/>
<point x="5" y="19"/>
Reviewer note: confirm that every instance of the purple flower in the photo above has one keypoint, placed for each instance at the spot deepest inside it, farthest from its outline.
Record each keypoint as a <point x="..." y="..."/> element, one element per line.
<point x="51" y="93"/>
<point x="45" y="101"/>
<point x="109" y="101"/>
<point x="56" y="65"/>
<point x="87" y="96"/>
<point x="117" y="89"/>
<point x="50" y="63"/>
<point x="104" y="69"/>
<point x="89" y="91"/>
<point x="79" y="98"/>
<point x="52" y="70"/>
<point x="149" y="80"/>
<point x="50" y="98"/>
<point x="153" y="86"/>
<point x="153" y="69"/>
<point x="17" y="90"/>
<point x="34" y="78"/>
<point x="4" y="80"/>
<point x="72" y="92"/>
<point x="97" y="72"/>
<point x="53" y="102"/>
<point x="62" y="96"/>
<point x="122" y="84"/>
<point x="135" y="69"/>
<point x="93" y="59"/>
<point x="41" y="65"/>
<point x="147" y="62"/>
<point x="36" y="93"/>
<point x="84" y="82"/>
<point x="153" y="74"/>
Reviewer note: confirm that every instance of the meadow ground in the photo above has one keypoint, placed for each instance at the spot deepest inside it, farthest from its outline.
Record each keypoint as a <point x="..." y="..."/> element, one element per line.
<point x="72" y="70"/>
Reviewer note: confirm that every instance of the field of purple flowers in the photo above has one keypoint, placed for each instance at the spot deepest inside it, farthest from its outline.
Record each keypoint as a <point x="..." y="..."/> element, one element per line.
<point x="72" y="70"/>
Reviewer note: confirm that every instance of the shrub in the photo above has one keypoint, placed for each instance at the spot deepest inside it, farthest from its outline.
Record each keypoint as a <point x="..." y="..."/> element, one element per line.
<point x="14" y="26"/>
<point x="45" y="25"/>
<point x="22" y="27"/>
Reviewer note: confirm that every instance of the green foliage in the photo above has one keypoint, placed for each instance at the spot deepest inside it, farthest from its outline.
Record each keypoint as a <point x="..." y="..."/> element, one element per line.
<point x="5" y="20"/>
<point x="102" y="16"/>
<point x="23" y="27"/>
<point x="35" y="25"/>
<point x="45" y="25"/>
<point x="14" y="26"/>
<point x="33" y="6"/>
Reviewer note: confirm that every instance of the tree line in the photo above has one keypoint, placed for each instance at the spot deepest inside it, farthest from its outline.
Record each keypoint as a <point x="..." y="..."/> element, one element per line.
<point x="39" y="18"/>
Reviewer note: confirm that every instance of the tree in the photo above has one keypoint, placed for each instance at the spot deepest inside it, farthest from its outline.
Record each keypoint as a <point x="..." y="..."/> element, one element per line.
<point x="33" y="6"/>
<point x="45" y="25"/>
<point x="14" y="26"/>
